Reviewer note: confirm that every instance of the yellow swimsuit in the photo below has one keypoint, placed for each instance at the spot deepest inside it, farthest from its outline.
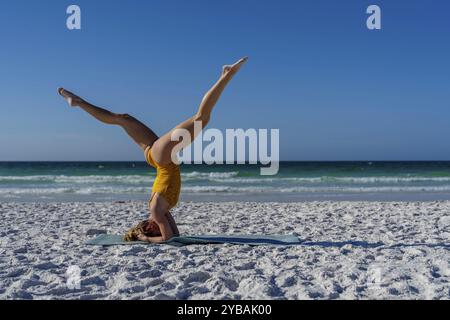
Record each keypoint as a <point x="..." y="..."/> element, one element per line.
<point x="168" y="179"/>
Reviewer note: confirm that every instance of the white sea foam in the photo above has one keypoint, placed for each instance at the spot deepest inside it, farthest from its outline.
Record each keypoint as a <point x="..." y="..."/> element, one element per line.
<point x="394" y="179"/>
<point x="210" y="175"/>
<point x="445" y="188"/>
<point x="336" y="180"/>
<point x="215" y="183"/>
<point x="124" y="179"/>
<point x="83" y="190"/>
<point x="80" y="179"/>
<point x="217" y="189"/>
<point x="226" y="177"/>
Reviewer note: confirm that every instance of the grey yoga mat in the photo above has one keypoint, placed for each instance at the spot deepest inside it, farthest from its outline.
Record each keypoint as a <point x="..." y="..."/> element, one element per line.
<point x="255" y="240"/>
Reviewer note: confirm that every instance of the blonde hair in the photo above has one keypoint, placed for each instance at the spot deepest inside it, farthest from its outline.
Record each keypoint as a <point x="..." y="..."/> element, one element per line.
<point x="132" y="234"/>
<point x="147" y="227"/>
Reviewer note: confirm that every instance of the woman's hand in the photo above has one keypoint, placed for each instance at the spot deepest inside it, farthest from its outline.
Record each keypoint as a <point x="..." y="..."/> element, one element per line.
<point x="142" y="237"/>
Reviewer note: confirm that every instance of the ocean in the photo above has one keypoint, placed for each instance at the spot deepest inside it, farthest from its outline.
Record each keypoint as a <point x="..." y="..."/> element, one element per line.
<point x="296" y="181"/>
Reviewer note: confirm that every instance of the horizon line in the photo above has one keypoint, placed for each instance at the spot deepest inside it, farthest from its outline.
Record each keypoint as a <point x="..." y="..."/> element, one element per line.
<point x="143" y="161"/>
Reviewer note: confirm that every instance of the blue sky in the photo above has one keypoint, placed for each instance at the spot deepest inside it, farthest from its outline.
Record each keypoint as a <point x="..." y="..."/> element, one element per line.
<point x="336" y="90"/>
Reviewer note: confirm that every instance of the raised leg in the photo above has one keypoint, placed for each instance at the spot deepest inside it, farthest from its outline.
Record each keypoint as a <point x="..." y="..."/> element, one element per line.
<point x="138" y="131"/>
<point x="163" y="147"/>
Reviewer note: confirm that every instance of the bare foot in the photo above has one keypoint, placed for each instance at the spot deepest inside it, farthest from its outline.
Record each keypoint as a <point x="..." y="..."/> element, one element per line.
<point x="72" y="99"/>
<point x="234" y="68"/>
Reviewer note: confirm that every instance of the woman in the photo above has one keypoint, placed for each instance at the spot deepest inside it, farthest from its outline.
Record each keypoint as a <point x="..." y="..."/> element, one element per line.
<point x="158" y="153"/>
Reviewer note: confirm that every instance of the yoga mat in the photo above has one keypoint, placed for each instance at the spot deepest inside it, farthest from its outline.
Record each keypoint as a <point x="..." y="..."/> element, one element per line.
<point x="255" y="240"/>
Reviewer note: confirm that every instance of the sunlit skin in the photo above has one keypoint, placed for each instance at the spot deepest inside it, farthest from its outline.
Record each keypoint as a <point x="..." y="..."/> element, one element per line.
<point x="163" y="146"/>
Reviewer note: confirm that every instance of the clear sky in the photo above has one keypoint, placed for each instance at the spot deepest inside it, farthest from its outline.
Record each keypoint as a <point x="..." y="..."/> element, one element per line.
<point x="336" y="90"/>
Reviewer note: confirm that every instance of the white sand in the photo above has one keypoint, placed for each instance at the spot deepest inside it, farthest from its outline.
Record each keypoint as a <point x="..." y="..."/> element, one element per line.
<point x="39" y="242"/>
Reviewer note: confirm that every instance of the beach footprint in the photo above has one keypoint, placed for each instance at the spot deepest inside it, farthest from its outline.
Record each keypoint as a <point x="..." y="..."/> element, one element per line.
<point x="150" y="274"/>
<point x="198" y="276"/>
<point x="155" y="282"/>
<point x="245" y="266"/>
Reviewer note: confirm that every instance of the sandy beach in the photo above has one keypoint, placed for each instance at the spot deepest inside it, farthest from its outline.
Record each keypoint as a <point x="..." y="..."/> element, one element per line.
<point x="350" y="250"/>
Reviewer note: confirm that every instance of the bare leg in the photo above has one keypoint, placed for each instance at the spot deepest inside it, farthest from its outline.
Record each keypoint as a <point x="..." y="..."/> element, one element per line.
<point x="138" y="131"/>
<point x="162" y="148"/>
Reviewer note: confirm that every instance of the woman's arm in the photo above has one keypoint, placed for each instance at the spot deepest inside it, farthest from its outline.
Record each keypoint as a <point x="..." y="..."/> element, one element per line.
<point x="173" y="227"/>
<point x="142" y="237"/>
<point x="158" y="209"/>
<point x="166" y="233"/>
<point x="173" y="224"/>
<point x="164" y="225"/>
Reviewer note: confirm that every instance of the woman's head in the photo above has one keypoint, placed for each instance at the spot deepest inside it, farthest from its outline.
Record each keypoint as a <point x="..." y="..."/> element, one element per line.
<point x="147" y="228"/>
